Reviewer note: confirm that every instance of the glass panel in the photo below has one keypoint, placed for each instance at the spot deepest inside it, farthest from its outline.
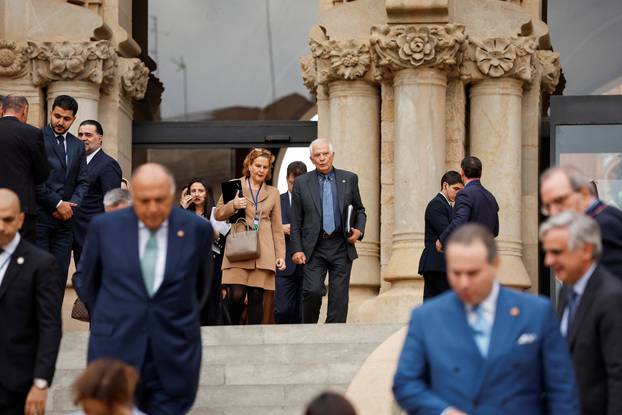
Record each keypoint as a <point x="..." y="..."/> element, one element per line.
<point x="597" y="151"/>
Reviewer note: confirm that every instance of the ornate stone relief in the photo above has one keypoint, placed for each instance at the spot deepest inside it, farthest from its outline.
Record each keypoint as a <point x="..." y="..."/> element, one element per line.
<point x="134" y="78"/>
<point x="500" y="57"/>
<point x="349" y="59"/>
<point x="307" y="67"/>
<point x="65" y="61"/>
<point x="13" y="59"/>
<point x="551" y="69"/>
<point x="403" y="47"/>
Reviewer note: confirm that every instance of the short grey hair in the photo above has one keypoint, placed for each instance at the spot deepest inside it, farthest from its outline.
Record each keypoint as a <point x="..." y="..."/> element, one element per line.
<point x="582" y="230"/>
<point x="116" y="197"/>
<point x="321" y="141"/>
<point x="575" y="176"/>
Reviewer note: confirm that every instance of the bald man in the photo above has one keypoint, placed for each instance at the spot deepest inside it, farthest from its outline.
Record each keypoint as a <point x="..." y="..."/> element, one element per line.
<point x="143" y="276"/>
<point x="30" y="321"/>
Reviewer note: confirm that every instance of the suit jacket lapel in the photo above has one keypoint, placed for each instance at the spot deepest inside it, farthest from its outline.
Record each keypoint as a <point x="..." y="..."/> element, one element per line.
<point x="341" y="190"/>
<point x="134" y="250"/>
<point x="585" y="304"/>
<point x="314" y="188"/>
<point x="174" y="247"/>
<point x="12" y="270"/>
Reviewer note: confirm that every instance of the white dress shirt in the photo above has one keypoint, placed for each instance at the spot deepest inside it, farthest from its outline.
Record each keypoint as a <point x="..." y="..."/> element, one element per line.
<point x="162" y="238"/>
<point x="579" y="288"/>
<point x="5" y="257"/>
<point x="90" y="156"/>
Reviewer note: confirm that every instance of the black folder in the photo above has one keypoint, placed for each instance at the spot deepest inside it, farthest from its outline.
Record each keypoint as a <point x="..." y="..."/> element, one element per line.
<point x="230" y="190"/>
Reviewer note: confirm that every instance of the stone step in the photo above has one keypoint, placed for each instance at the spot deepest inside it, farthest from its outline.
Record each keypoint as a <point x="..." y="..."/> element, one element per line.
<point x="255" y="370"/>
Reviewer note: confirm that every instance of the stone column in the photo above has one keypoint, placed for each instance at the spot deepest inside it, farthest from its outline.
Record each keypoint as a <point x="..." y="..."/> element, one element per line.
<point x="420" y="57"/>
<point x="87" y="95"/>
<point x="323" y="112"/>
<point x="355" y="133"/>
<point x="456" y="129"/>
<point x="504" y="65"/>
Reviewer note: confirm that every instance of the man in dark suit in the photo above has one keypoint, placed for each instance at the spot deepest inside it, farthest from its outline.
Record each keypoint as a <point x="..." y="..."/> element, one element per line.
<point x="437" y="218"/>
<point x="288" y="294"/>
<point x="482" y="348"/>
<point x="319" y="235"/>
<point x="589" y="307"/>
<point x="65" y="187"/>
<point x="143" y="276"/>
<point x="104" y="174"/>
<point x="566" y="188"/>
<point x="23" y="162"/>
<point x="30" y="321"/>
<point x="474" y="203"/>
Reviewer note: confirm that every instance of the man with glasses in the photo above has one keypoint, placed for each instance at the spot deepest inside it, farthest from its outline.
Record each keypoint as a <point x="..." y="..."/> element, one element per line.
<point x="567" y="189"/>
<point x="104" y="174"/>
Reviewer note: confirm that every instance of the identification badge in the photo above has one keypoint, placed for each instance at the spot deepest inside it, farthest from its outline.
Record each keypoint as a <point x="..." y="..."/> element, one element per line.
<point x="255" y="223"/>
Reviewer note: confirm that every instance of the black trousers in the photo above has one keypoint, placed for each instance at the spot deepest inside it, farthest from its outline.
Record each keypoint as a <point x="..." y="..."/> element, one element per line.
<point x="329" y="255"/>
<point x="29" y="228"/>
<point x="152" y="399"/>
<point x="288" y="298"/>
<point x="56" y="237"/>
<point x="435" y="283"/>
<point x="12" y="403"/>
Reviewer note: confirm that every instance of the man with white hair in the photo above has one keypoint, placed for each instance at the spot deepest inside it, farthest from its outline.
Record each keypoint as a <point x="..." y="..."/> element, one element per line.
<point x="116" y="199"/>
<point x="143" y="276"/>
<point x="328" y="218"/>
<point x="590" y="309"/>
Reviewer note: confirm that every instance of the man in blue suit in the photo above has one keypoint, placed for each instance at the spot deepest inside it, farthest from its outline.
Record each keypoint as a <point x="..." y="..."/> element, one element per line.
<point x="474" y="203"/>
<point x="483" y="349"/>
<point x="288" y="294"/>
<point x="65" y="187"/>
<point x="104" y="175"/>
<point x="144" y="273"/>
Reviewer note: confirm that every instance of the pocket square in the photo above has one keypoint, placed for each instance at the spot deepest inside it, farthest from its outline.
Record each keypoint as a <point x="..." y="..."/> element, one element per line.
<point x="526" y="338"/>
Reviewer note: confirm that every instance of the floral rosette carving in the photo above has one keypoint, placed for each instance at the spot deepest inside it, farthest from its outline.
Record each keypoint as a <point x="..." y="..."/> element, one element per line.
<point x="499" y="57"/>
<point x="13" y="58"/>
<point x="349" y="59"/>
<point x="307" y="68"/>
<point x="402" y="47"/>
<point x="85" y="61"/>
<point x="551" y="70"/>
<point x="135" y="79"/>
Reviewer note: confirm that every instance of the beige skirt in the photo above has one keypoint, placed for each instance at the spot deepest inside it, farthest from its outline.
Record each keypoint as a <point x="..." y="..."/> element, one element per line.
<point x="261" y="278"/>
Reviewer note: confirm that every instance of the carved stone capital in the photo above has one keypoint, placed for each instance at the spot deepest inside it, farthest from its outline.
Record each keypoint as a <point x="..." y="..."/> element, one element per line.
<point x="410" y="46"/>
<point x="500" y="57"/>
<point x="66" y="61"/>
<point x="308" y="71"/>
<point x="550" y="68"/>
<point x="349" y="59"/>
<point x="13" y="59"/>
<point x="134" y="77"/>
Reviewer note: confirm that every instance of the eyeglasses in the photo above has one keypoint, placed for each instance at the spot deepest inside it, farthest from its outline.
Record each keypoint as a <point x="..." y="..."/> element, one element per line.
<point x="558" y="201"/>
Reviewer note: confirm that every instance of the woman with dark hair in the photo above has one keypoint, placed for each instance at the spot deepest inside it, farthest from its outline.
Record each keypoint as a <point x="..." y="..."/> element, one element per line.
<point x="262" y="207"/>
<point x="106" y="387"/>
<point x="330" y="403"/>
<point x="197" y="196"/>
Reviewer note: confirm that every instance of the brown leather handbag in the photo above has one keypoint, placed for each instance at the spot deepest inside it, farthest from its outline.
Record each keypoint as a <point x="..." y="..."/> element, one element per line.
<point x="79" y="311"/>
<point x="242" y="245"/>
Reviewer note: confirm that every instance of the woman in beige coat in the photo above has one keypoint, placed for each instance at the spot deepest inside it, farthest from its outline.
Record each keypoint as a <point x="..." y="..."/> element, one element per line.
<point x="262" y="206"/>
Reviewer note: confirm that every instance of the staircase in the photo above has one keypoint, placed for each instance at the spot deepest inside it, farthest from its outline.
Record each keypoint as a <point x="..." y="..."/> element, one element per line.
<point x="258" y="370"/>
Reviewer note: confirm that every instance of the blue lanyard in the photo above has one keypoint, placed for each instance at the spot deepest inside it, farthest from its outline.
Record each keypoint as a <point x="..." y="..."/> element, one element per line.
<point x="255" y="197"/>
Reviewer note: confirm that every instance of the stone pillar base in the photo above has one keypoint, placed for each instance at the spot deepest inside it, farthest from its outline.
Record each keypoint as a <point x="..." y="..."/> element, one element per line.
<point x="394" y="305"/>
<point x="512" y="271"/>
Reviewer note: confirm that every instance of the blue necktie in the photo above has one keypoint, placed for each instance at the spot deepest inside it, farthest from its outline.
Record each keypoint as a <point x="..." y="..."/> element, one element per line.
<point x="148" y="262"/>
<point x="481" y="331"/>
<point x="328" y="214"/>
<point x="573" y="302"/>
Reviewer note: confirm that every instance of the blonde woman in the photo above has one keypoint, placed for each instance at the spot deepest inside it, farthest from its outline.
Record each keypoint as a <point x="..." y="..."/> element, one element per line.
<point x="262" y="206"/>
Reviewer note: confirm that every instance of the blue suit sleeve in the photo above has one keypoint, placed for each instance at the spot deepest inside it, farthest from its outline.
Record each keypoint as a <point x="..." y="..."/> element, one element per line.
<point x="559" y="379"/>
<point x="462" y="211"/>
<point x="87" y="278"/>
<point x="82" y="181"/>
<point x="110" y="177"/>
<point x="410" y="385"/>
<point x="437" y="218"/>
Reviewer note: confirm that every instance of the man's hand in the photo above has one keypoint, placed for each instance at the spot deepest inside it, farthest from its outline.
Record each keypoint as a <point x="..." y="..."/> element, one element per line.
<point x="299" y="258"/>
<point x="280" y="264"/>
<point x="35" y="401"/>
<point x="287" y="228"/>
<point x="355" y="234"/>
<point x="65" y="210"/>
<point x="439" y="246"/>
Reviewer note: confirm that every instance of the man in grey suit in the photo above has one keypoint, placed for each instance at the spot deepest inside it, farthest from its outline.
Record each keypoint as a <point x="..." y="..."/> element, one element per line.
<point x="319" y="232"/>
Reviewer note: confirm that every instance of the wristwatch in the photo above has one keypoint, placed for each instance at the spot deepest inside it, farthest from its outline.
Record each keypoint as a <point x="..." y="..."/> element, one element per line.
<point x="40" y="383"/>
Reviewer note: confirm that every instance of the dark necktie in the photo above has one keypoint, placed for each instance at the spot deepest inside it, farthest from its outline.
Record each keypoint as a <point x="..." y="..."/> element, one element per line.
<point x="573" y="302"/>
<point x="61" y="146"/>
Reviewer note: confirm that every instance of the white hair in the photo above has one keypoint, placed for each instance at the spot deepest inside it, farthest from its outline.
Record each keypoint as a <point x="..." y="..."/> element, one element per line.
<point x="582" y="230"/>
<point x="320" y="141"/>
<point x="115" y="197"/>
